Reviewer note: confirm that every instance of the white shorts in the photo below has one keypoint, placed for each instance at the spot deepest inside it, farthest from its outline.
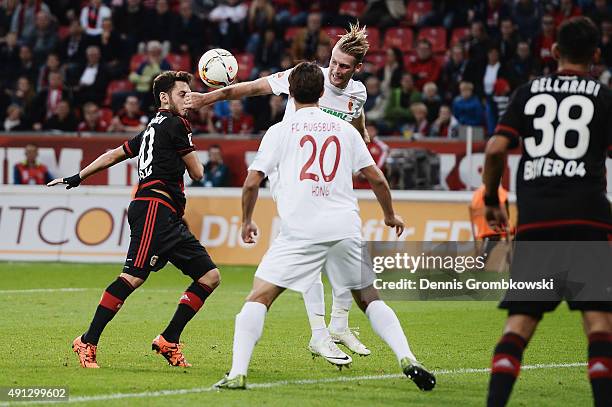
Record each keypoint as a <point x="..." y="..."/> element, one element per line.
<point x="297" y="266"/>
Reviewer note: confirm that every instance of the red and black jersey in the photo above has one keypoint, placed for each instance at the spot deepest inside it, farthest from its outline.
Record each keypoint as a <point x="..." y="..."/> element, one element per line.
<point x="160" y="148"/>
<point x="564" y="121"/>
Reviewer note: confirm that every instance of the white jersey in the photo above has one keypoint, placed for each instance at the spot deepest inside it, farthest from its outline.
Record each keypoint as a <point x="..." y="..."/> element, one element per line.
<point x="347" y="103"/>
<point x="315" y="155"/>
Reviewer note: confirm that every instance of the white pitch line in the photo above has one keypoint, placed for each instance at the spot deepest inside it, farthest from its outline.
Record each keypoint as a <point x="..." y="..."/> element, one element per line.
<point x="281" y="383"/>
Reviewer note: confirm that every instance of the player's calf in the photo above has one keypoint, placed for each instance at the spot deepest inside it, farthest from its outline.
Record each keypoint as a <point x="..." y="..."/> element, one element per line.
<point x="505" y="368"/>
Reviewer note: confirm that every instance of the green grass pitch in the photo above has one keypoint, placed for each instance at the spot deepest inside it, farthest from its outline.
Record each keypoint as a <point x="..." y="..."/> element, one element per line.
<point x="39" y="322"/>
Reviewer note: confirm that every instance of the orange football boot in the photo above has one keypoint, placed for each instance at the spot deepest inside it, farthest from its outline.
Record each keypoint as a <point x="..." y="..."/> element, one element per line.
<point x="171" y="351"/>
<point x="86" y="353"/>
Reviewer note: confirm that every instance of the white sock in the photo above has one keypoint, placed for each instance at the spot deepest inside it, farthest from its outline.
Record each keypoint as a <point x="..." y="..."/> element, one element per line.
<point x="387" y="326"/>
<point x="340" y="309"/>
<point x="314" y="300"/>
<point x="249" y="326"/>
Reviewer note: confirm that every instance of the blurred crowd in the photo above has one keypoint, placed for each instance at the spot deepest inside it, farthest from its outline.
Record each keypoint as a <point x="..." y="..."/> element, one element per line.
<point x="434" y="65"/>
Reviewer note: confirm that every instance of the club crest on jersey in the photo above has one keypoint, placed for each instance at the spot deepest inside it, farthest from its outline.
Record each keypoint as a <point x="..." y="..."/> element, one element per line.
<point x="350" y="104"/>
<point x="153" y="260"/>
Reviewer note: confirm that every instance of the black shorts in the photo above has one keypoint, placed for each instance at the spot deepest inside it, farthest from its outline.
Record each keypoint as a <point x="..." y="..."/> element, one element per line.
<point x="551" y="264"/>
<point x="159" y="235"/>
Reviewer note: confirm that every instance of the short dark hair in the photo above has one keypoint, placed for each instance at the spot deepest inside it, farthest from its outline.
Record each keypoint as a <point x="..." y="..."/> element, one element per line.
<point x="164" y="82"/>
<point x="306" y="82"/>
<point x="577" y="40"/>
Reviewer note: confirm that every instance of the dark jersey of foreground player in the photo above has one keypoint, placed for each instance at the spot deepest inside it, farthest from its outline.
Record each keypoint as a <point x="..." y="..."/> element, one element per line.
<point x="565" y="122"/>
<point x="160" y="148"/>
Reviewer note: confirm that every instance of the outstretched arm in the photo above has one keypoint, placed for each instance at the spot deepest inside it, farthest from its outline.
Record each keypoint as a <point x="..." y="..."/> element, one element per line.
<point x="104" y="161"/>
<point x="381" y="189"/>
<point x="195" y="100"/>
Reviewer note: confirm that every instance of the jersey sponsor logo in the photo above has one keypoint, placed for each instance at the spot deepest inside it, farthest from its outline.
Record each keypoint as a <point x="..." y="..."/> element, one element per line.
<point x="337" y="113"/>
<point x="548" y="167"/>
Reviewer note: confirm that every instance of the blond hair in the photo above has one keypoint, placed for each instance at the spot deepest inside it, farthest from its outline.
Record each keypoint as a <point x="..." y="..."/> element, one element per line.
<point x="354" y="42"/>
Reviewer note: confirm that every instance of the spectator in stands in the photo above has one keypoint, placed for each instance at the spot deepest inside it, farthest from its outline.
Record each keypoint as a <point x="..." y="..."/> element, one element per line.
<point x="63" y="119"/>
<point x="452" y="73"/>
<point x="269" y="52"/>
<point x="143" y="77"/>
<point x="7" y="8"/>
<point x="508" y="41"/>
<point x="426" y="68"/>
<point x="542" y="45"/>
<point x="130" y="118"/>
<point x="204" y="121"/>
<point x="306" y="41"/>
<point x="132" y="21"/>
<point x="26" y="65"/>
<point x="24" y="18"/>
<point x="398" y="108"/>
<point x="376" y="102"/>
<point x="477" y="46"/>
<point x="384" y="13"/>
<point x="228" y="19"/>
<point x="467" y="108"/>
<point x="14" y="120"/>
<point x="24" y="96"/>
<point x="606" y="43"/>
<point x="112" y="49"/>
<point x="442" y="126"/>
<point x="379" y="151"/>
<point x="45" y="38"/>
<point x="523" y="66"/>
<point x="496" y="104"/>
<point x="420" y="127"/>
<point x="9" y="59"/>
<point x="492" y="12"/>
<point x="527" y="16"/>
<point x="600" y="11"/>
<point x="30" y="171"/>
<point x="260" y="19"/>
<point x="323" y="54"/>
<point x="72" y="51"/>
<point x="188" y="33"/>
<point x="567" y="9"/>
<point x="238" y="122"/>
<point x="432" y="100"/>
<point x="48" y="100"/>
<point x="216" y="173"/>
<point x="493" y="71"/>
<point x="391" y="73"/>
<point x="93" y="78"/>
<point x="272" y="114"/>
<point x="53" y="65"/>
<point x="92" y="16"/>
<point x="162" y="26"/>
<point x="93" y="122"/>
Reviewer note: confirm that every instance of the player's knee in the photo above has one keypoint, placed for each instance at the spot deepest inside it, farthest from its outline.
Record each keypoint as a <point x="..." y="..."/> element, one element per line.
<point x="522" y="325"/>
<point x="596" y="321"/>
<point x="212" y="278"/>
<point x="134" y="281"/>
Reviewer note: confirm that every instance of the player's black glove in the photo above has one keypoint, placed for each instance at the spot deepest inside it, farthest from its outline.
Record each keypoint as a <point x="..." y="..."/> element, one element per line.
<point x="72" y="182"/>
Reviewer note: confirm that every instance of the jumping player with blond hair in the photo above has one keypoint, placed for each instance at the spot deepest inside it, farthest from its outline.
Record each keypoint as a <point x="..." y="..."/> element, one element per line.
<point x="344" y="98"/>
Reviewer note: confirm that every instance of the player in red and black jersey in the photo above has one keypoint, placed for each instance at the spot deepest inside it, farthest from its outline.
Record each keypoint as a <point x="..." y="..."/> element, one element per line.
<point x="564" y="124"/>
<point x="158" y="233"/>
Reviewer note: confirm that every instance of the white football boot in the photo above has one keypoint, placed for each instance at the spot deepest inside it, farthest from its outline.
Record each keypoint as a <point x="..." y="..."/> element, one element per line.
<point x="349" y="339"/>
<point x="328" y="350"/>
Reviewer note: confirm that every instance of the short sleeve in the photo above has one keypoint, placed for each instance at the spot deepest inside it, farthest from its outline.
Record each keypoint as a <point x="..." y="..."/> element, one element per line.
<point x="361" y="155"/>
<point x="279" y="82"/>
<point x="132" y="147"/>
<point x="268" y="156"/>
<point x="181" y="136"/>
<point x="510" y="123"/>
<point x="362" y="95"/>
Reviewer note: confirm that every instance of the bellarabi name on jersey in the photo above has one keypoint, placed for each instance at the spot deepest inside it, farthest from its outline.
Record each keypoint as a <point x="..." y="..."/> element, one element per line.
<point x="566" y="84"/>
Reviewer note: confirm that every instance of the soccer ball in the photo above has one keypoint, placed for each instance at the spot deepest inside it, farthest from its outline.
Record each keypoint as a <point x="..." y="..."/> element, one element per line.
<point x="218" y="68"/>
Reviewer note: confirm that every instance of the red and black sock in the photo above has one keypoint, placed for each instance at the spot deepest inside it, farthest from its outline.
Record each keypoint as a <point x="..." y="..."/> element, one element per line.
<point x="190" y="303"/>
<point x="600" y="367"/>
<point x="110" y="303"/>
<point x="505" y="368"/>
